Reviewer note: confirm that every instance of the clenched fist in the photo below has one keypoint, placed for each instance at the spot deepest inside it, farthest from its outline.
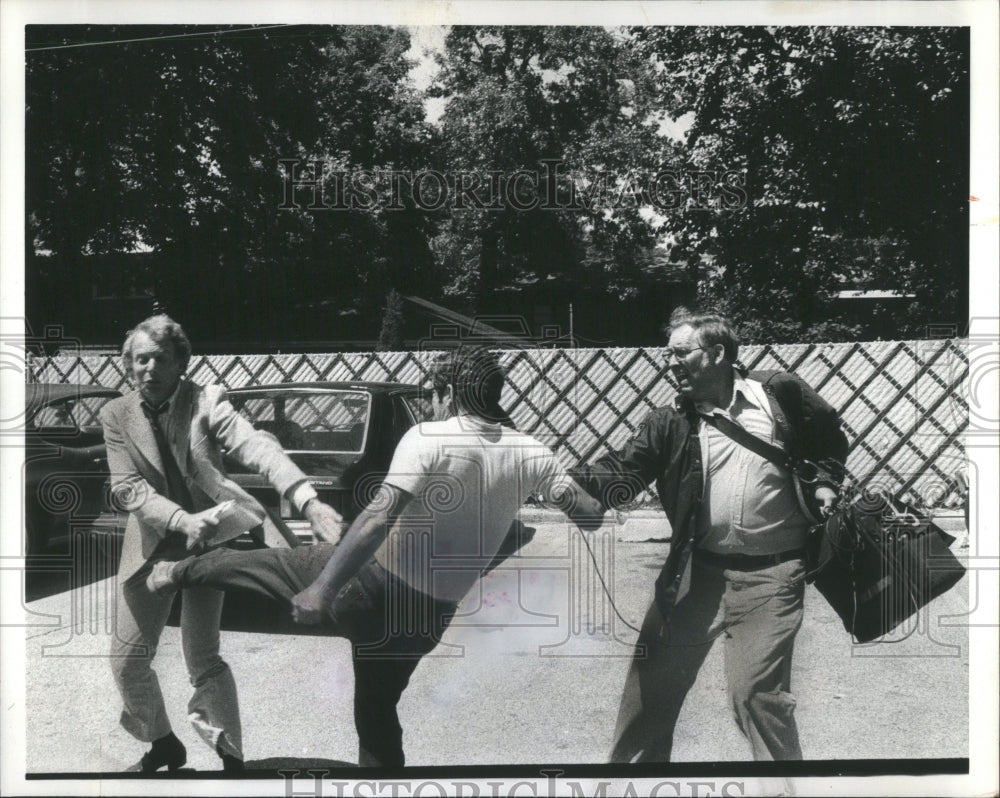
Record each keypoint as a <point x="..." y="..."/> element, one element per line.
<point x="307" y="608"/>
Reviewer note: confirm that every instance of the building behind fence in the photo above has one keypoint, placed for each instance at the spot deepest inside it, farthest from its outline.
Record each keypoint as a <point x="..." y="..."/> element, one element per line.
<point x="903" y="403"/>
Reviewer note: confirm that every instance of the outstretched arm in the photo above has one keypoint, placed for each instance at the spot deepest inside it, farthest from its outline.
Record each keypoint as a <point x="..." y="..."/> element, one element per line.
<point x="582" y="508"/>
<point x="619" y="477"/>
<point x="358" y="545"/>
<point x="262" y="452"/>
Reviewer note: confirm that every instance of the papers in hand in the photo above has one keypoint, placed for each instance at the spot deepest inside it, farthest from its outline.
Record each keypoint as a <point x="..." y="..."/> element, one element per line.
<point x="231" y="520"/>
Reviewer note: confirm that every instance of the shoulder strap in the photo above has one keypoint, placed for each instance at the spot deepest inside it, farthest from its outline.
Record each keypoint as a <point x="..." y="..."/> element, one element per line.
<point x="770" y="453"/>
<point x="747" y="439"/>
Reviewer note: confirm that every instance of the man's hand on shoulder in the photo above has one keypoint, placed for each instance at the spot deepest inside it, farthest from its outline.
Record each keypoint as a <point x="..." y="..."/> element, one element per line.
<point x="327" y="524"/>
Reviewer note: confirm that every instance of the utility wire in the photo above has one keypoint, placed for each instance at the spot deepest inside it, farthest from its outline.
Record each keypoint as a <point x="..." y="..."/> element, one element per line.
<point x="604" y="584"/>
<point x="154" y="38"/>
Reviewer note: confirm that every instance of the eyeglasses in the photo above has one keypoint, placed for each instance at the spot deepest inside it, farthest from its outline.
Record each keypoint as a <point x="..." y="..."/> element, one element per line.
<point x="680" y="354"/>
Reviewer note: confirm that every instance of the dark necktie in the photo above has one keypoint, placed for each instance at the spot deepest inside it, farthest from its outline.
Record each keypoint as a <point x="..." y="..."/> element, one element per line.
<point x="176" y="487"/>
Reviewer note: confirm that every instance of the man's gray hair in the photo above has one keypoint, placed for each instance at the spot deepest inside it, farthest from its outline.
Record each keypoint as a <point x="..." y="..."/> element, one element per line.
<point x="711" y="329"/>
<point x="160" y="328"/>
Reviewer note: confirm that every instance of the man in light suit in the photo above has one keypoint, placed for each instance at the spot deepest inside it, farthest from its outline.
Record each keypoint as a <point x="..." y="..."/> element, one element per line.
<point x="165" y="444"/>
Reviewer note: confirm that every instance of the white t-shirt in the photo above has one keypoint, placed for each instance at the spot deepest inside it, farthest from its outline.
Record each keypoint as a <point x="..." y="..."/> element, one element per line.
<point x="469" y="477"/>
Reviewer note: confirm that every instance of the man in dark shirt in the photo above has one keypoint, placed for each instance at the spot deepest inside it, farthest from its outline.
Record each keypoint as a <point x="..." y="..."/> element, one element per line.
<point x="735" y="567"/>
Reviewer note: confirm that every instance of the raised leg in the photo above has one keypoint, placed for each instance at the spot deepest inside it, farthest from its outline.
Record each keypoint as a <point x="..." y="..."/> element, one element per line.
<point x="277" y="573"/>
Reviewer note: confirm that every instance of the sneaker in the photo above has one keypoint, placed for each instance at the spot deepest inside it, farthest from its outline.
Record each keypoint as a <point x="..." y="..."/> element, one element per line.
<point x="161" y="578"/>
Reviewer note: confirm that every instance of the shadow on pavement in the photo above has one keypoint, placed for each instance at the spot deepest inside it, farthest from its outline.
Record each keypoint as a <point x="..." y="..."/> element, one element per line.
<point x="276" y="763"/>
<point x="48" y="575"/>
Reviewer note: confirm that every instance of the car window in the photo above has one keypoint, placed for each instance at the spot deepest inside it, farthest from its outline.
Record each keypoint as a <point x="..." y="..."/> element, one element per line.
<point x="419" y="405"/>
<point x="310" y="421"/>
<point x="71" y="414"/>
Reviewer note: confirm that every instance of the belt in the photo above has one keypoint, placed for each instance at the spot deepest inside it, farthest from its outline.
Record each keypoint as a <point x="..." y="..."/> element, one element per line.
<point x="747" y="562"/>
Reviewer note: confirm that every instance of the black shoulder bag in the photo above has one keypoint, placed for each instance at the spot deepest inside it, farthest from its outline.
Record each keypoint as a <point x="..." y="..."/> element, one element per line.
<point x="876" y="559"/>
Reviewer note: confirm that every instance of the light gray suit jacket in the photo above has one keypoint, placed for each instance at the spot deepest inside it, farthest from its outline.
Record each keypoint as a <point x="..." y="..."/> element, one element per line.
<point x="200" y="426"/>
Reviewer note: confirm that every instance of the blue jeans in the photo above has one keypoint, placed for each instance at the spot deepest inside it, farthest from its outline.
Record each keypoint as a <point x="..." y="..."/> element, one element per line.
<point x="391" y="626"/>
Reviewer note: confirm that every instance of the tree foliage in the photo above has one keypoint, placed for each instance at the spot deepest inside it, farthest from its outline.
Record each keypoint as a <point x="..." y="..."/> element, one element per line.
<point x="853" y="143"/>
<point x="174" y="145"/>
<point x="519" y="97"/>
<point x="850" y="146"/>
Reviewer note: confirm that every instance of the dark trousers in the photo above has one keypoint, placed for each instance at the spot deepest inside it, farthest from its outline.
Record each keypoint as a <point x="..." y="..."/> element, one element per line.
<point x="390" y="625"/>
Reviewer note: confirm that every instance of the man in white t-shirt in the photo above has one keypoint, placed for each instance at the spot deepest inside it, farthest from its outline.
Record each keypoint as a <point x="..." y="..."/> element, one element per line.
<point x="393" y="582"/>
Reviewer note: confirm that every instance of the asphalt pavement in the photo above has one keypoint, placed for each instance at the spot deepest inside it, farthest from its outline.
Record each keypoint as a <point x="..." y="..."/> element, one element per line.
<point x="530" y="672"/>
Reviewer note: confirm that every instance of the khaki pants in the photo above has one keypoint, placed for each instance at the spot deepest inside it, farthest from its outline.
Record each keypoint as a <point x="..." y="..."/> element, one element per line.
<point x="757" y="613"/>
<point x="140" y="617"/>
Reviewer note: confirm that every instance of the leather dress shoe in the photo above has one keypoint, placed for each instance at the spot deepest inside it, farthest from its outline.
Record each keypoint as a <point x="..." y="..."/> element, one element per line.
<point x="167" y="751"/>
<point x="230" y="764"/>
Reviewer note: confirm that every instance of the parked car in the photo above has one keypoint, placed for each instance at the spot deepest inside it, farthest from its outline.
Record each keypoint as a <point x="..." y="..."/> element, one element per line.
<point x="341" y="434"/>
<point x="66" y="467"/>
